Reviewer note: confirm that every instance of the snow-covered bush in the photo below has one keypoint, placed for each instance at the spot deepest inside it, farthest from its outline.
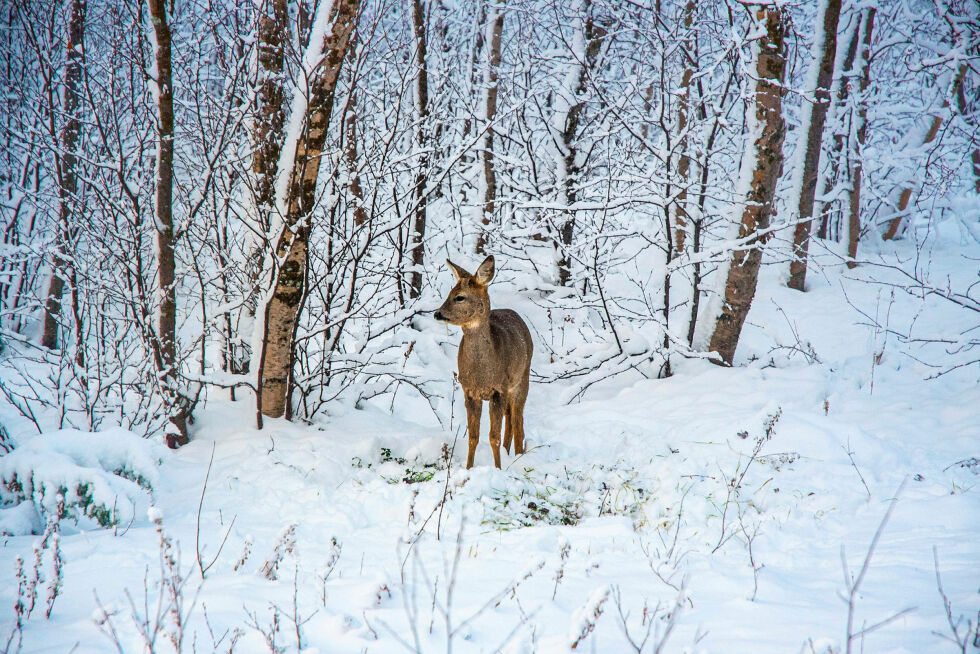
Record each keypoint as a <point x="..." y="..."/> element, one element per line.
<point x="397" y="469"/>
<point x="105" y="476"/>
<point x="558" y="496"/>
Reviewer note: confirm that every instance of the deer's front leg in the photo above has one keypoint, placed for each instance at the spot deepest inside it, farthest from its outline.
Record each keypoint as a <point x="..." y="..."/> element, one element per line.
<point x="474" y="407"/>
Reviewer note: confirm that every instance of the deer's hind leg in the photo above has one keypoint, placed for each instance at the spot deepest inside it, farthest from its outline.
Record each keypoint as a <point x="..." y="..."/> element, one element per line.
<point x="515" y="416"/>
<point x="509" y="425"/>
<point x="474" y="408"/>
<point x="496" y="418"/>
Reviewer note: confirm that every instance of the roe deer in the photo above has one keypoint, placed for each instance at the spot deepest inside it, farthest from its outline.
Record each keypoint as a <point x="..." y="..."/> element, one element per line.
<point x="494" y="359"/>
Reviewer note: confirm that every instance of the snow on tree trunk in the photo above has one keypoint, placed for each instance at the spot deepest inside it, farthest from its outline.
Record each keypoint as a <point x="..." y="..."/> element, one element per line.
<point x="896" y="225"/>
<point x="268" y="118"/>
<point x="683" y="113"/>
<point x="350" y="150"/>
<point x="269" y="113"/>
<point x="839" y="109"/>
<point x="421" y="138"/>
<point x="963" y="109"/>
<point x="854" y="220"/>
<point x="165" y="340"/>
<point x="495" y="27"/>
<point x="811" y="136"/>
<point x="761" y="164"/>
<point x="298" y="170"/>
<point x="567" y="110"/>
<point x="68" y="178"/>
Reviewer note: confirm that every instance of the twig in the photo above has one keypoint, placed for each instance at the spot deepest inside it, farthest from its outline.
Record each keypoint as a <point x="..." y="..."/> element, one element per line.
<point x="962" y="642"/>
<point x="854" y="585"/>
<point x="851" y="457"/>
<point x="197" y="539"/>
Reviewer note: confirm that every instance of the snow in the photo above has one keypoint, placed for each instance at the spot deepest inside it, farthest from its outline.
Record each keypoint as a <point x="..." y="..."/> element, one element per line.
<point x="634" y="478"/>
<point x="104" y="471"/>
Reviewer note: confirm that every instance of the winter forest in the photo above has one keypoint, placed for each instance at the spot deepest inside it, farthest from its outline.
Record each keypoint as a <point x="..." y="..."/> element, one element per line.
<point x="744" y="237"/>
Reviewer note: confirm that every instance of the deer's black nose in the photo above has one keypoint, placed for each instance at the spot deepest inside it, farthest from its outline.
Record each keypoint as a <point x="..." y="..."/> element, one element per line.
<point x="438" y="316"/>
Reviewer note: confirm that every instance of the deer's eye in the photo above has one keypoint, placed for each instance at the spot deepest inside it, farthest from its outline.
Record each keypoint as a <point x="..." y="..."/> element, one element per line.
<point x="459" y="298"/>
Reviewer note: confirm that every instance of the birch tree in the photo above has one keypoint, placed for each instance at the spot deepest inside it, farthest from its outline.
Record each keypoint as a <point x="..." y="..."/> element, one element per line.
<point x="312" y="106"/>
<point x="569" y="103"/>
<point x="811" y="135"/>
<point x="761" y="164"/>
<point x="491" y="76"/>
<point x="269" y="112"/>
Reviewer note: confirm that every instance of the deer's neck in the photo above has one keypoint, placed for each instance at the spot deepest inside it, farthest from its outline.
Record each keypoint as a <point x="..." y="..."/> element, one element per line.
<point x="477" y="335"/>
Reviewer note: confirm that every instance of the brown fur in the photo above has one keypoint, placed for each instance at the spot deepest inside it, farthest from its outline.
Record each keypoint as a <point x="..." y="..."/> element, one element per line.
<point x="494" y="359"/>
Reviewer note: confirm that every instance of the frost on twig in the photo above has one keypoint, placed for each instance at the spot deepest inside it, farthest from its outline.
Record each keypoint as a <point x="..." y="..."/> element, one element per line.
<point x="285" y="544"/>
<point x="584" y="619"/>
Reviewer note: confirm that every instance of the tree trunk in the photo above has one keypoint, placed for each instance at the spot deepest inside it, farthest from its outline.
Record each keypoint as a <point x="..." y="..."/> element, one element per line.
<point x="268" y="122"/>
<point x="684" y="109"/>
<point x="896" y="226"/>
<point x="416" y="241"/>
<point x="474" y="77"/>
<point x="961" y="106"/>
<point x="854" y="221"/>
<point x="569" y="165"/>
<point x="815" y="116"/>
<point x="495" y="21"/>
<point x="269" y="113"/>
<point x="288" y="284"/>
<point x="166" y="336"/>
<point x="843" y="93"/>
<point x="350" y="150"/>
<point x="760" y="170"/>
<point x="67" y="176"/>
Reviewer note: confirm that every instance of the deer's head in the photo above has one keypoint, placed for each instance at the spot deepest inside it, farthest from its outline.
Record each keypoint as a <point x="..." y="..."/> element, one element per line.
<point x="468" y="304"/>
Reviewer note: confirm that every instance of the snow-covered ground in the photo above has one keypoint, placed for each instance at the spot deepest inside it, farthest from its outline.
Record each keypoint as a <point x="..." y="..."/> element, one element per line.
<point x="717" y="505"/>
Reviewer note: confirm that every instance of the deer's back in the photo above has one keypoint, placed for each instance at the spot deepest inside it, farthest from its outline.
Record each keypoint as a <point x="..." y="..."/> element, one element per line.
<point x="512" y="335"/>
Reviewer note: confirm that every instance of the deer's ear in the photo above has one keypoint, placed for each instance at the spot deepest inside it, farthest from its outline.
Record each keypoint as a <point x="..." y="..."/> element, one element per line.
<point x="458" y="271"/>
<point x="485" y="272"/>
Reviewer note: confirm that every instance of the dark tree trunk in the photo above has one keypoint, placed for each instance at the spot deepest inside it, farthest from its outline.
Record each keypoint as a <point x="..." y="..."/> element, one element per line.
<point x="854" y="220"/>
<point x="67" y="161"/>
<point x="743" y="271"/>
<point x="963" y="108"/>
<point x="417" y="237"/>
<point x="350" y="151"/>
<point x="896" y="226"/>
<point x="843" y="93"/>
<point x="166" y="336"/>
<point x="814" y="139"/>
<point x="289" y="280"/>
